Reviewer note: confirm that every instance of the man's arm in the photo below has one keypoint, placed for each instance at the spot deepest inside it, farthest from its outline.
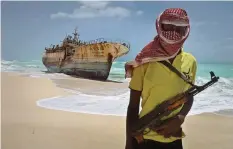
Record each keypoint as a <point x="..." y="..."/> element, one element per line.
<point x="185" y="109"/>
<point x="132" y="113"/>
<point x="136" y="87"/>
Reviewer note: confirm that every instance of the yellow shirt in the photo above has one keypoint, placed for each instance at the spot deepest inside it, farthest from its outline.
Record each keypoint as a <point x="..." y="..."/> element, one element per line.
<point x="158" y="83"/>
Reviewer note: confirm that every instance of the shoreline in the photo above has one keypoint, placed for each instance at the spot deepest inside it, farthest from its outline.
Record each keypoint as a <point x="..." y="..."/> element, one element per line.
<point x="26" y="125"/>
<point x="69" y="86"/>
<point x="225" y="112"/>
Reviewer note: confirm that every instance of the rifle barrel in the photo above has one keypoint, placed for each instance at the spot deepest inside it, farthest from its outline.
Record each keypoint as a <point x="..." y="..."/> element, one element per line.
<point x="198" y="89"/>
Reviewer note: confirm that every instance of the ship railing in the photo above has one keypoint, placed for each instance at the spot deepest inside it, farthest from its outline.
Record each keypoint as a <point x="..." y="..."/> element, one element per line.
<point x="53" y="49"/>
<point x="104" y="40"/>
<point x="98" y="40"/>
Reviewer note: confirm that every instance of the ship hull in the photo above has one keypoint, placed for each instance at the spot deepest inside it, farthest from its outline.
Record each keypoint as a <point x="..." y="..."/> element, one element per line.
<point x="90" y="70"/>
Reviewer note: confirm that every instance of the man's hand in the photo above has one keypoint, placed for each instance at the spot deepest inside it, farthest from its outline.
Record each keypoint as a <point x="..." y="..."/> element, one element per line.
<point x="132" y="115"/>
<point x="171" y="127"/>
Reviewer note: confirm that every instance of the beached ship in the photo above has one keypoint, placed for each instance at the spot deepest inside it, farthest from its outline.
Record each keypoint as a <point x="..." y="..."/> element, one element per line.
<point x="91" y="59"/>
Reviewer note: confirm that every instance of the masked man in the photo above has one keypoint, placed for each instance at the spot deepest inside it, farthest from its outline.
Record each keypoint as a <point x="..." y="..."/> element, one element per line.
<point x="154" y="82"/>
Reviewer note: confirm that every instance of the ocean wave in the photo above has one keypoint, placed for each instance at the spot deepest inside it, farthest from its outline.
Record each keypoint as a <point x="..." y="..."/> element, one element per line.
<point x="4" y="62"/>
<point x="22" y="66"/>
<point x="118" y="63"/>
<point x="215" y="98"/>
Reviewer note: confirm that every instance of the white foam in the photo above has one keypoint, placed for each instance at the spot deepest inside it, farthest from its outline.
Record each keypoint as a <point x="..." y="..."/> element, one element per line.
<point x="50" y="75"/>
<point x="107" y="105"/>
<point x="218" y="97"/>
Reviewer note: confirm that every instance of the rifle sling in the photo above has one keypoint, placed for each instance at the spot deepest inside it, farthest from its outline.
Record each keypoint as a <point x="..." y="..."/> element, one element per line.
<point x="172" y="68"/>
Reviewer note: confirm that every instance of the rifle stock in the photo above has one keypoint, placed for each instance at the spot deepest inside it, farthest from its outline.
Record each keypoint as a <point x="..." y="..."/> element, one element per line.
<point x="153" y="118"/>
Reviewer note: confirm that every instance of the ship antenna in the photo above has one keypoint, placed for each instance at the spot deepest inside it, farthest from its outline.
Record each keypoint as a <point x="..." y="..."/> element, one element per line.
<point x="76" y="35"/>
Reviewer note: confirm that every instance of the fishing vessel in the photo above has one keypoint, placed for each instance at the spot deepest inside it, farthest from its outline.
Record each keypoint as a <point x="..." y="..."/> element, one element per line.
<point x="92" y="59"/>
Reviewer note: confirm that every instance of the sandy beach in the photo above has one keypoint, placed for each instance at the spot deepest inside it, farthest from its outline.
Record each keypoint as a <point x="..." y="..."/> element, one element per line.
<point x="28" y="126"/>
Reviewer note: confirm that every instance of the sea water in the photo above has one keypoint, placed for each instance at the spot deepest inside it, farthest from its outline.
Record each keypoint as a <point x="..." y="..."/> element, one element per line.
<point x="217" y="98"/>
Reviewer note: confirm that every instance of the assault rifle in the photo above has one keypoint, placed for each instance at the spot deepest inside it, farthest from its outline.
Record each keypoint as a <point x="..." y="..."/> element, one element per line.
<point x="153" y="118"/>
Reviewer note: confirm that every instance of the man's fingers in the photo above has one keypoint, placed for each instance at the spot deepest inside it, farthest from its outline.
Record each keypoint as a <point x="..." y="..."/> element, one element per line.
<point x="168" y="135"/>
<point x="160" y="128"/>
<point x="163" y="131"/>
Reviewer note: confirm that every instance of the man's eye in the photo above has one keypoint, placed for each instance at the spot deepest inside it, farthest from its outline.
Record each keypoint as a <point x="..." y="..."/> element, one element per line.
<point x="168" y="27"/>
<point x="181" y="30"/>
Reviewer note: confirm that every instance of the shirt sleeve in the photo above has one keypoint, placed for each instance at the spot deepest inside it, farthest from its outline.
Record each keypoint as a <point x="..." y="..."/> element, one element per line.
<point x="136" y="82"/>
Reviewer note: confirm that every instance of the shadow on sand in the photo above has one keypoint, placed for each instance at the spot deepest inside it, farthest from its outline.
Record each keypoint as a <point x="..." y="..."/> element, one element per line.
<point x="112" y="81"/>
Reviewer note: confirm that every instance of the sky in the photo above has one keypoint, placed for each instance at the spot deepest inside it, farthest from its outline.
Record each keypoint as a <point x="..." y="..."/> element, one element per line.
<point x="28" y="27"/>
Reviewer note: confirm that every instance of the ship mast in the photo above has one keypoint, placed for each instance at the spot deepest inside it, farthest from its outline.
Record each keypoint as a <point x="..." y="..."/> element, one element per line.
<point x="76" y="35"/>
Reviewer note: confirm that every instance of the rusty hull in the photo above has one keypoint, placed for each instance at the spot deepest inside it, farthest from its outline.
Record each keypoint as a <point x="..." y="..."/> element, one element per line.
<point x="91" y="61"/>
